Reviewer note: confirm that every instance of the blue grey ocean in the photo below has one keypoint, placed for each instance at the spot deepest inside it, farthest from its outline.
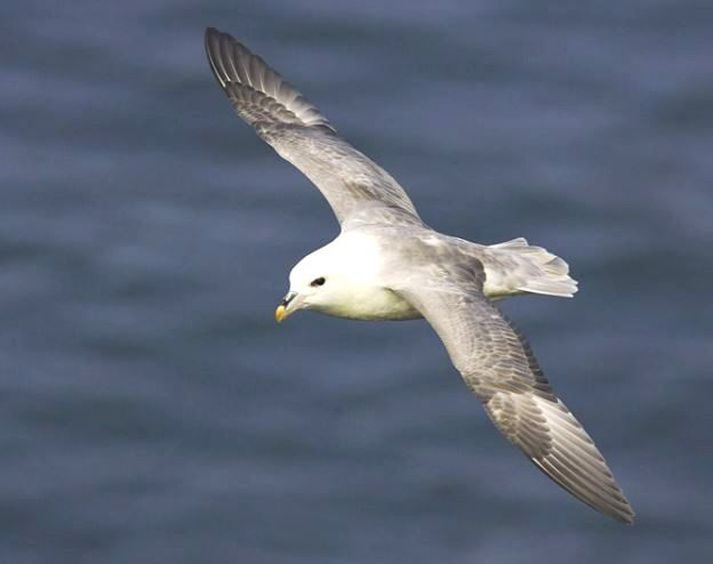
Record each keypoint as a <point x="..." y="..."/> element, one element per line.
<point x="152" y="411"/>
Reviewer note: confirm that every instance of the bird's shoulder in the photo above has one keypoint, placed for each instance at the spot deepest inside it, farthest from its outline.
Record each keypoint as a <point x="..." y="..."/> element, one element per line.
<point x="416" y="255"/>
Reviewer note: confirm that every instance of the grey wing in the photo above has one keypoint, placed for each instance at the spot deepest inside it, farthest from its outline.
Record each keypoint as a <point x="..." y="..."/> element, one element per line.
<point x="497" y="364"/>
<point x="352" y="183"/>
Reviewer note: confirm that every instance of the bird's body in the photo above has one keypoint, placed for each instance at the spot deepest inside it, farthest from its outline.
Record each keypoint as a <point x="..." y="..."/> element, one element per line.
<point x="363" y="258"/>
<point x="386" y="264"/>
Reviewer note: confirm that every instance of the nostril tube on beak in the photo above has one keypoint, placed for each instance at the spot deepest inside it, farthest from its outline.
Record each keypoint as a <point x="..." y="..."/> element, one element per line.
<point x="281" y="311"/>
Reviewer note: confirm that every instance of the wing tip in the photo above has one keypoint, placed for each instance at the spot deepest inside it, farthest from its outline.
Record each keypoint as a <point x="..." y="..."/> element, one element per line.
<point x="211" y="41"/>
<point x="628" y="518"/>
<point x="625" y="515"/>
<point x="614" y="505"/>
<point x="214" y="33"/>
<point x="232" y="63"/>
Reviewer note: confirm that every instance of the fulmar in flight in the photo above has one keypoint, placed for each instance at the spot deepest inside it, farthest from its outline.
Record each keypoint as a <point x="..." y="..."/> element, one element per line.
<point x="386" y="264"/>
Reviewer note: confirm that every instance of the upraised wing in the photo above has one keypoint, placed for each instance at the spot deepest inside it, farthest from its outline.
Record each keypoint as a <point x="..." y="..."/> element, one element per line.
<point x="497" y="364"/>
<point x="355" y="186"/>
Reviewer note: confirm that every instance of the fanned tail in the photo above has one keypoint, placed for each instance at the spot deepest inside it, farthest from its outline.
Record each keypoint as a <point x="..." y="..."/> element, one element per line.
<point x="516" y="267"/>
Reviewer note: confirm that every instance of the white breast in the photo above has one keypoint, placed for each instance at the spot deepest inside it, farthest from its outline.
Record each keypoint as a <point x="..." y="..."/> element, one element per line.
<point x="372" y="303"/>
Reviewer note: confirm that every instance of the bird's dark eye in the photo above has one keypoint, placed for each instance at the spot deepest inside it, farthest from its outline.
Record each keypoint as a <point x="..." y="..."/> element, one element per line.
<point x="318" y="281"/>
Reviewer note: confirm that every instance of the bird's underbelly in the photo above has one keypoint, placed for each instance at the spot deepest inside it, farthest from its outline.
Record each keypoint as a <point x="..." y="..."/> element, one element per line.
<point x="373" y="304"/>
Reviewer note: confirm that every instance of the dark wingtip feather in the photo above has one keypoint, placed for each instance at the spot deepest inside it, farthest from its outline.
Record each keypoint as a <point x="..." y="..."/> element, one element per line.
<point x="210" y="42"/>
<point x="236" y="67"/>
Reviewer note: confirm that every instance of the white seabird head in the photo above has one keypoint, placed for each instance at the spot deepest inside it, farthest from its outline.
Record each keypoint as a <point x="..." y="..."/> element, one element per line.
<point x="341" y="279"/>
<point x="316" y="282"/>
<point x="344" y="279"/>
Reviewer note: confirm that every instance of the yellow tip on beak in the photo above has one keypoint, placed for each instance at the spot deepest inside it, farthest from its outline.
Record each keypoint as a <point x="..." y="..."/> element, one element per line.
<point x="280" y="313"/>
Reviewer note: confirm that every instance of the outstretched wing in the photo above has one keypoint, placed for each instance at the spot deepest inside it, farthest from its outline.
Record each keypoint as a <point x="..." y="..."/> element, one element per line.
<point x="354" y="185"/>
<point x="497" y="364"/>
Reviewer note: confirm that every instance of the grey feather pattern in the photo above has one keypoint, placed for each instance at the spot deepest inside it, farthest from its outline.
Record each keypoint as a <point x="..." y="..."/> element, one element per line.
<point x="499" y="367"/>
<point x="442" y="277"/>
<point x="358" y="190"/>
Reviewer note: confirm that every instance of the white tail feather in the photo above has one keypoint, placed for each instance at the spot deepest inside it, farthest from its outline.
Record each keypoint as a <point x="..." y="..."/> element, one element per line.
<point x="515" y="267"/>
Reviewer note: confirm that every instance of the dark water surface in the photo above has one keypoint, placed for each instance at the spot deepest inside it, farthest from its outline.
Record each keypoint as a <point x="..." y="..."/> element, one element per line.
<point x="152" y="411"/>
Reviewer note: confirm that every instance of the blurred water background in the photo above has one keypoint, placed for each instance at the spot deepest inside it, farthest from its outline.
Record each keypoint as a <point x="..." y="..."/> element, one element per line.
<point x="152" y="411"/>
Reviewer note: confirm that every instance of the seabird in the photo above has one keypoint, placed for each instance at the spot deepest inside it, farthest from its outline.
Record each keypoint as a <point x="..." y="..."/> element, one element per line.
<point x="386" y="264"/>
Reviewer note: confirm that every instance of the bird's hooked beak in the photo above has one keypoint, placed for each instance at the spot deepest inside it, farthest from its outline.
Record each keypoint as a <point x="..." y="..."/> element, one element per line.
<point x="287" y="306"/>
